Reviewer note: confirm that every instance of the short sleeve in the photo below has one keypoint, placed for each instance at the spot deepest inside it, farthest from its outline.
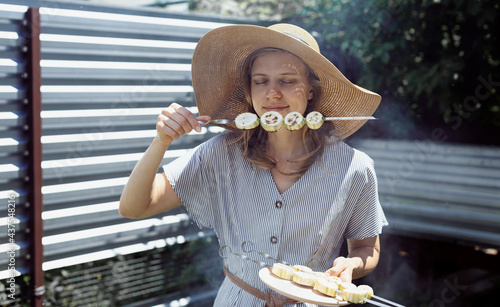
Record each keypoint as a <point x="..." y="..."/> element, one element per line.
<point x="367" y="218"/>
<point x="189" y="175"/>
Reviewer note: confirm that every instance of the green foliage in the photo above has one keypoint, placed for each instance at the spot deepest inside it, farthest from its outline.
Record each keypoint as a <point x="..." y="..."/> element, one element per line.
<point x="262" y="9"/>
<point x="15" y="294"/>
<point x="432" y="56"/>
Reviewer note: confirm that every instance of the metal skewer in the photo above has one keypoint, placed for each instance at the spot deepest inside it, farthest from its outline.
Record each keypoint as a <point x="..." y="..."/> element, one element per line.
<point x="244" y="257"/>
<point x="223" y="121"/>
<point x="387" y="301"/>
<point x="378" y="303"/>
<point x="246" y="249"/>
<point x="371" y="301"/>
<point x="349" y="118"/>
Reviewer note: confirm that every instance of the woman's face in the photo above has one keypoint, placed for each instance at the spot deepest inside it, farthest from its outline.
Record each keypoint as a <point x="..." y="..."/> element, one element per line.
<point x="279" y="83"/>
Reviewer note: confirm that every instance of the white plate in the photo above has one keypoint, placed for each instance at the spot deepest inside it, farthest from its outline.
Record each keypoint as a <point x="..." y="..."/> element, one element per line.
<point x="297" y="292"/>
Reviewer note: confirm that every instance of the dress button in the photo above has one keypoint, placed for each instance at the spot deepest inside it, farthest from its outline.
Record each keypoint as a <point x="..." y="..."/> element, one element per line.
<point x="274" y="239"/>
<point x="278" y="204"/>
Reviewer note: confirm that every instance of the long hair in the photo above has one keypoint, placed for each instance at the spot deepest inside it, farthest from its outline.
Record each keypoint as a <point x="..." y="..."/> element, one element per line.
<point x="253" y="142"/>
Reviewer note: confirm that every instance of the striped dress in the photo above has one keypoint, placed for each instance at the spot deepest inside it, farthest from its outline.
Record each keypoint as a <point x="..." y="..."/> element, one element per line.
<point x="336" y="199"/>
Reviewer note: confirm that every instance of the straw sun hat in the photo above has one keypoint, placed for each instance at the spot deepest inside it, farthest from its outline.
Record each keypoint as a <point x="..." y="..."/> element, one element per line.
<point x="217" y="73"/>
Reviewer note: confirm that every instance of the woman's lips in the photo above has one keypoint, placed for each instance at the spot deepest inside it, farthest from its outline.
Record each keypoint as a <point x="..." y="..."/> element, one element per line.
<point x="275" y="108"/>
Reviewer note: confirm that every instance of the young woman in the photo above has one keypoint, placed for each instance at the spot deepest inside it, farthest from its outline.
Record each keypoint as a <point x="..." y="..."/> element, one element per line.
<point x="294" y="195"/>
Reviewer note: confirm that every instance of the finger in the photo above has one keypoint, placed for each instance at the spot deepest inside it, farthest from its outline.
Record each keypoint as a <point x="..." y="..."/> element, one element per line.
<point x="346" y="275"/>
<point x="176" y="117"/>
<point x="166" y="130"/>
<point x="185" y="118"/>
<point x="176" y="122"/>
<point x="204" y="118"/>
<point x="338" y="266"/>
<point x="334" y="271"/>
<point x="166" y="125"/>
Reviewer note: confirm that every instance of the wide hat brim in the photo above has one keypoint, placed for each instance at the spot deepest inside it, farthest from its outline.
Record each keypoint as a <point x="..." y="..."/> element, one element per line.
<point x="217" y="76"/>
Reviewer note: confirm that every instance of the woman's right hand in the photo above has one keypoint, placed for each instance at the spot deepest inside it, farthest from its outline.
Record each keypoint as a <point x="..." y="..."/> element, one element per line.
<point x="175" y="121"/>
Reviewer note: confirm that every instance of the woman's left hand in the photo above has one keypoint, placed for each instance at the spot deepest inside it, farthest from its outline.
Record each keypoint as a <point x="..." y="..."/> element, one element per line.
<point x="361" y="260"/>
<point x="343" y="268"/>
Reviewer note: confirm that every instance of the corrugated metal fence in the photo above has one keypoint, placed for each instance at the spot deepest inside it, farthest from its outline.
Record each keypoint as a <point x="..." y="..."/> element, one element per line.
<point x="106" y="73"/>
<point x="432" y="189"/>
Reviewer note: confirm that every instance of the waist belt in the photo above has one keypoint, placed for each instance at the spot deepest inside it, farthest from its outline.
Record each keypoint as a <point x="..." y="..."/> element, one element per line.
<point x="272" y="300"/>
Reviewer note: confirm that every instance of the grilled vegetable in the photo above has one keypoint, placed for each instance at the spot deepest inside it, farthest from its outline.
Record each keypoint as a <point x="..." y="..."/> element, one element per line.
<point x="282" y="271"/>
<point x="304" y="278"/>
<point x="302" y="268"/>
<point x="354" y="295"/>
<point x="327" y="285"/>
<point x="271" y="121"/>
<point x="294" y="121"/>
<point x="314" y="120"/>
<point x="246" y="121"/>
<point x="368" y="289"/>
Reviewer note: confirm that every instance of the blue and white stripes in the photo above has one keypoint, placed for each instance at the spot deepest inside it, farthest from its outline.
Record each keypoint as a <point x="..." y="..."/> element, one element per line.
<point x="336" y="199"/>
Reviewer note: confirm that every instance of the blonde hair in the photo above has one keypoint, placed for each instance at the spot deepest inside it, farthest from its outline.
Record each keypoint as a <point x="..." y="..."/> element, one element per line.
<point x="253" y="142"/>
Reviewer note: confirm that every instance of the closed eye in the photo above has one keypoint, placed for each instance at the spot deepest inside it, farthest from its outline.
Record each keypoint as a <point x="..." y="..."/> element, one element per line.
<point x="260" y="81"/>
<point x="288" y="81"/>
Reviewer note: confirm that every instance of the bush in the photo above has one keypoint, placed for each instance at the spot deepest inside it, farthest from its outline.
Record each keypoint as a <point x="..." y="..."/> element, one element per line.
<point x="435" y="60"/>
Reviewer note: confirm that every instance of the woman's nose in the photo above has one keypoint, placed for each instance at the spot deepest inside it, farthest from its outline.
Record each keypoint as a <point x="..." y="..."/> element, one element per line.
<point x="273" y="92"/>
